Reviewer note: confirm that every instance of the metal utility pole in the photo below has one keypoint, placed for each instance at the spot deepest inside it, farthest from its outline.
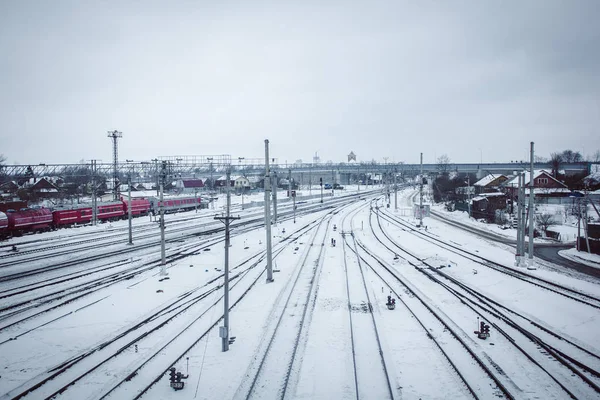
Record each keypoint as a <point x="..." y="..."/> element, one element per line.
<point x="94" y="200"/>
<point x="469" y="194"/>
<point x="224" y="330"/>
<point x="321" y="183"/>
<point x="274" y="196"/>
<point x="395" y="191"/>
<point x="292" y="194"/>
<point x="310" y="180"/>
<point x="289" y="182"/>
<point x="332" y="181"/>
<point x="163" y="261"/>
<point x="531" y="209"/>
<point x="421" y="194"/>
<point x="129" y="211"/>
<point x="115" y="135"/>
<point x="518" y="252"/>
<point x="267" y="184"/>
<point x="523" y="217"/>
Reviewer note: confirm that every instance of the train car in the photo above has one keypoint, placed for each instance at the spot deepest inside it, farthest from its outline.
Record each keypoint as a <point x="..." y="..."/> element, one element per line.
<point x="82" y="213"/>
<point x="62" y="217"/>
<point x="3" y="224"/>
<point x="174" y="204"/>
<point x="29" y="219"/>
<point x="139" y="206"/>
<point x="109" y="211"/>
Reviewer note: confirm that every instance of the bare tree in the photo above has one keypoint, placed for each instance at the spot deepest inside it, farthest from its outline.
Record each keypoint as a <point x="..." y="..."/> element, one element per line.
<point x="593" y="158"/>
<point x="555" y="160"/>
<point x="570" y="156"/>
<point x="544" y="221"/>
<point x="2" y="174"/>
<point x="443" y="164"/>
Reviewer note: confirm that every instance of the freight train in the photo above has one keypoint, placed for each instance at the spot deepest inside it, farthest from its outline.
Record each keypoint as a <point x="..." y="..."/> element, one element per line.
<point x="16" y="218"/>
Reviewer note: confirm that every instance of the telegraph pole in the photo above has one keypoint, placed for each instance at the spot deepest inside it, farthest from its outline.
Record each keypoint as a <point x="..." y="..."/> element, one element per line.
<point x="163" y="261"/>
<point x="224" y="331"/>
<point x="531" y="209"/>
<point x="421" y="194"/>
<point x="267" y="184"/>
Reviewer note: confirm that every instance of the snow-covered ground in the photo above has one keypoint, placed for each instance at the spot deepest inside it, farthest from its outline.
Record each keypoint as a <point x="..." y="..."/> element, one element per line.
<point x="320" y="330"/>
<point x="583" y="257"/>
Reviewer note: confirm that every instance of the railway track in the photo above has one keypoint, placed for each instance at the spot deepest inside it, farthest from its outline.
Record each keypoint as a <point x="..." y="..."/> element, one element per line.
<point x="571" y="293"/>
<point x="367" y="350"/>
<point x="277" y="353"/>
<point x="116" y="350"/>
<point x="534" y="341"/>
<point x="22" y="310"/>
<point x="470" y="364"/>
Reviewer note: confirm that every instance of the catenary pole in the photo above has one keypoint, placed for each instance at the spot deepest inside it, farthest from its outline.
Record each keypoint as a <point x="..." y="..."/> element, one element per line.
<point x="94" y="200"/>
<point x="129" y="213"/>
<point x="518" y="251"/>
<point x="163" y="260"/>
<point x="267" y="184"/>
<point x="274" y="192"/>
<point x="224" y="332"/>
<point x="421" y="194"/>
<point x="531" y="208"/>
<point x="395" y="190"/>
<point x="522" y="222"/>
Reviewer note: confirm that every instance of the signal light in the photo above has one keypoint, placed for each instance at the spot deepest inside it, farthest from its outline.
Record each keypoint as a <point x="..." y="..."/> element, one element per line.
<point x="172" y="374"/>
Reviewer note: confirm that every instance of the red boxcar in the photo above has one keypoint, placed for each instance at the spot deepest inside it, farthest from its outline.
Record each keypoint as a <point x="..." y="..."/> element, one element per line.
<point x="110" y="210"/>
<point x="82" y="214"/>
<point x="69" y="216"/>
<point x="139" y="206"/>
<point x="29" y="219"/>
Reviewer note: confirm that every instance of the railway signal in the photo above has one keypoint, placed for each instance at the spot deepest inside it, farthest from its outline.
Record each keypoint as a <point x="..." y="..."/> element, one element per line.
<point x="484" y="331"/>
<point x="175" y="379"/>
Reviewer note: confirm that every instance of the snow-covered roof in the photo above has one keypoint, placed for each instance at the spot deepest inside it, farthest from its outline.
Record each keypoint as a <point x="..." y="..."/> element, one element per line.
<point x="255" y="178"/>
<point x="484" y="196"/>
<point x="486" y="180"/>
<point x="514" y="182"/>
<point x="592" y="179"/>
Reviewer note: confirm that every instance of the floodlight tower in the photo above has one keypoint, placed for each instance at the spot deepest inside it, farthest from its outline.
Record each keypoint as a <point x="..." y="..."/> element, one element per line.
<point x="115" y="135"/>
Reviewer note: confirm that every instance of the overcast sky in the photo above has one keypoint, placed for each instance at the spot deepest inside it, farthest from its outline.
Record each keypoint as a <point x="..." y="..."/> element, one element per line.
<point x="470" y="79"/>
